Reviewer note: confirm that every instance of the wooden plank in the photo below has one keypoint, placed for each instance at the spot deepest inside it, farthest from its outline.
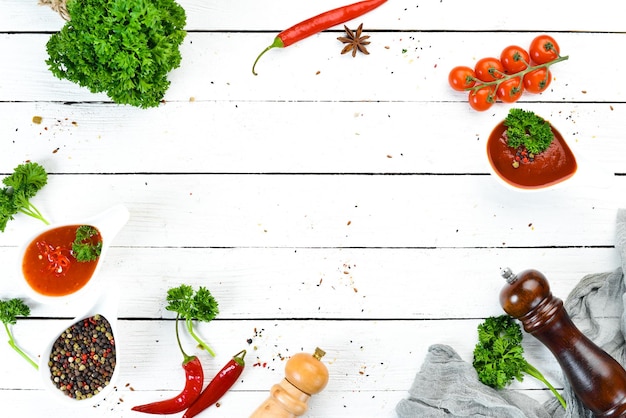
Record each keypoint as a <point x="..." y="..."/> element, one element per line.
<point x="364" y="361"/>
<point x="235" y="137"/>
<point x="336" y="211"/>
<point x="234" y="404"/>
<point x="325" y="283"/>
<point x="276" y="15"/>
<point x="377" y="404"/>
<point x="400" y="67"/>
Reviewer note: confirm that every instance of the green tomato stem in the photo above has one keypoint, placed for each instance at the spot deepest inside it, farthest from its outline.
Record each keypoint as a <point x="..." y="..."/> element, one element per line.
<point x="537" y="375"/>
<point x="481" y="84"/>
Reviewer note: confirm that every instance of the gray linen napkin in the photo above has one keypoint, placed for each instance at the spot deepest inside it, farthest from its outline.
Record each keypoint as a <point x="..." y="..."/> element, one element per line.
<point x="447" y="386"/>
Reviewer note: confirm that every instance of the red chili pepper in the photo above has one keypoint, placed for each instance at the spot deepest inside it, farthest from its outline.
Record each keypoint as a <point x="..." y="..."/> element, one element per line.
<point x="220" y="384"/>
<point x="319" y="23"/>
<point x="58" y="257"/>
<point x="194" y="379"/>
<point x="193" y="387"/>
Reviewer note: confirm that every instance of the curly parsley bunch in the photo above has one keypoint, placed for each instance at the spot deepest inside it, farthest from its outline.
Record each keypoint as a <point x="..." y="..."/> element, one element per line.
<point x="124" y="48"/>
<point x="499" y="355"/>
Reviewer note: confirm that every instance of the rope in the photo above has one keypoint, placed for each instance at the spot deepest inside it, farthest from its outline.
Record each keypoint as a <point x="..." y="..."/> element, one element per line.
<point x="58" y="6"/>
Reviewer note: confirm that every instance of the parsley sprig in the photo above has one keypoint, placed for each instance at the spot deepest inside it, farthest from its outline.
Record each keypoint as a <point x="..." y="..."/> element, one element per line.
<point x="9" y="311"/>
<point x="526" y="129"/>
<point x="499" y="355"/>
<point x="86" y="246"/>
<point x="189" y="306"/>
<point x="27" y="179"/>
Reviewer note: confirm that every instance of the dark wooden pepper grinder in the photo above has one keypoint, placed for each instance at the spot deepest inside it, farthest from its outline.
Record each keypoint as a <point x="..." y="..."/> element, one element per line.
<point x="598" y="379"/>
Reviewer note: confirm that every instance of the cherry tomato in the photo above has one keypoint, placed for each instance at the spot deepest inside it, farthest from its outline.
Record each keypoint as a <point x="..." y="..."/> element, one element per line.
<point x="482" y="99"/>
<point x="488" y="69"/>
<point x="461" y="78"/>
<point x="514" y="59"/>
<point x="538" y="80"/>
<point x="543" y="49"/>
<point x="511" y="90"/>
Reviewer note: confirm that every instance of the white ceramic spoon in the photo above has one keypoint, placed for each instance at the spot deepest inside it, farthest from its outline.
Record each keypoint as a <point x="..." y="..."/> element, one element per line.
<point x="108" y="223"/>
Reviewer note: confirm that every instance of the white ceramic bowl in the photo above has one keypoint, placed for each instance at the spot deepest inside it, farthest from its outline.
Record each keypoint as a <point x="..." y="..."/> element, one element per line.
<point x="106" y="306"/>
<point x="108" y="223"/>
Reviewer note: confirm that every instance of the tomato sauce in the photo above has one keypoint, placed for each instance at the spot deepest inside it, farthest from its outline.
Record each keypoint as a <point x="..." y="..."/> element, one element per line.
<point x="552" y="166"/>
<point x="49" y="266"/>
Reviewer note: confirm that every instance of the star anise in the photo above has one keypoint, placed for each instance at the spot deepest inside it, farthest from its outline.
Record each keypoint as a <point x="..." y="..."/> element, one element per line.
<point x="355" y="42"/>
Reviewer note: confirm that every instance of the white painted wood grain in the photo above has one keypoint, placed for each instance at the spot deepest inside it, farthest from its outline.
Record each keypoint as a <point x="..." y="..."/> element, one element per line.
<point x="216" y="66"/>
<point x="330" y="201"/>
<point x="370" y="366"/>
<point x="286" y="137"/>
<point x="379" y="404"/>
<point x="276" y="15"/>
<point x="326" y="283"/>
<point x="334" y="211"/>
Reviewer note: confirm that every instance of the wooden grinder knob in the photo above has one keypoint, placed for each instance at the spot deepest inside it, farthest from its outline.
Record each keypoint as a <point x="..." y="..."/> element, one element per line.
<point x="598" y="379"/>
<point x="305" y="375"/>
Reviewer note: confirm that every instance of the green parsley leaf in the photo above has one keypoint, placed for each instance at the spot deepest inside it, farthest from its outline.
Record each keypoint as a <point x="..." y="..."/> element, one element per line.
<point x="11" y="309"/>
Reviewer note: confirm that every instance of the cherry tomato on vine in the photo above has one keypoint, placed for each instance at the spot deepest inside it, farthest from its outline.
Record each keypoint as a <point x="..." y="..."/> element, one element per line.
<point x="488" y="69"/>
<point x="482" y="99"/>
<point x="543" y="49"/>
<point x="514" y="59"/>
<point x="511" y="90"/>
<point x="538" y="80"/>
<point x="461" y="78"/>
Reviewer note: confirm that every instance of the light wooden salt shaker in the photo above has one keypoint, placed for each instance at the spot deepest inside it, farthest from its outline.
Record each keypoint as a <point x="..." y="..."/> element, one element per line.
<point x="305" y="375"/>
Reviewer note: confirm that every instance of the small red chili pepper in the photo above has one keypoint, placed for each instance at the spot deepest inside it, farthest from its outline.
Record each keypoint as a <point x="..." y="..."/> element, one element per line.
<point x="193" y="388"/>
<point x="194" y="379"/>
<point x="220" y="384"/>
<point x="319" y="23"/>
<point x="58" y="258"/>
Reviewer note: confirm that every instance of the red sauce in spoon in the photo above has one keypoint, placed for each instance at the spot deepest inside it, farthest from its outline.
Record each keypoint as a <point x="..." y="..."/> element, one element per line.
<point x="49" y="266"/>
<point x="550" y="167"/>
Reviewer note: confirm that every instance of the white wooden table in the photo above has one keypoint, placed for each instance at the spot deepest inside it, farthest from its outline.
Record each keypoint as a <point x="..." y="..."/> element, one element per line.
<point x="330" y="201"/>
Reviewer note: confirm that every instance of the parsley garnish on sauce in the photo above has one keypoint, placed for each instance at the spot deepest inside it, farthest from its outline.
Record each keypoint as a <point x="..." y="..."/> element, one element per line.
<point x="526" y="129"/>
<point x="87" y="246"/>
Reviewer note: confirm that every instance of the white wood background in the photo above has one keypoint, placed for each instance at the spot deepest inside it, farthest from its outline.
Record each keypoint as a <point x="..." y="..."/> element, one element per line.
<point x="330" y="201"/>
